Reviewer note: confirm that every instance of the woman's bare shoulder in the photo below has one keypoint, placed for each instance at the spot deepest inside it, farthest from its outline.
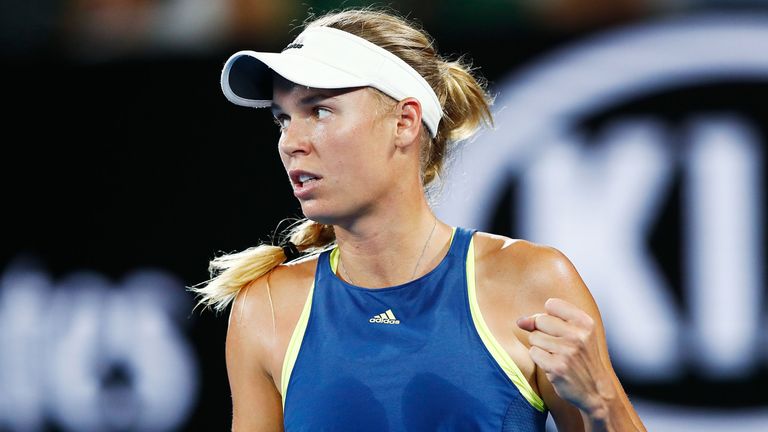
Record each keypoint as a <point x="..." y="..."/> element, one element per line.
<point x="265" y="307"/>
<point x="509" y="253"/>
<point x="534" y="272"/>
<point x="298" y="275"/>
<point x="275" y="292"/>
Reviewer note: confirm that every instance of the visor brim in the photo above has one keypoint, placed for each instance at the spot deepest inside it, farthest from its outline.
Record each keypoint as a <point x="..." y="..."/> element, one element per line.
<point x="246" y="79"/>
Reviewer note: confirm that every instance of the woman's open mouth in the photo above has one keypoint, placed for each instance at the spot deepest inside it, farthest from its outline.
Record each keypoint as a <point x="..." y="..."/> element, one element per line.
<point x="303" y="182"/>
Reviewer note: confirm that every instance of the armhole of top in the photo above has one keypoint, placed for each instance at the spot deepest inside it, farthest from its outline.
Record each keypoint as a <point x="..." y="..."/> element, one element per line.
<point x="494" y="347"/>
<point x="295" y="344"/>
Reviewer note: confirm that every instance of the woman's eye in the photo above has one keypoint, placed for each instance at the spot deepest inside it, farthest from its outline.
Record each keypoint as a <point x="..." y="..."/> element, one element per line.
<point x="322" y="112"/>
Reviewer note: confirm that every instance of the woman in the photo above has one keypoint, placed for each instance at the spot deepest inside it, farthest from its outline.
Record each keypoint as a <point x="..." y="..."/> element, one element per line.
<point x="394" y="320"/>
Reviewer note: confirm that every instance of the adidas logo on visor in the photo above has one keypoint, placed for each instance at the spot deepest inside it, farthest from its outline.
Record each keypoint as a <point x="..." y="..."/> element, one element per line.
<point x="385" y="318"/>
<point x="293" y="46"/>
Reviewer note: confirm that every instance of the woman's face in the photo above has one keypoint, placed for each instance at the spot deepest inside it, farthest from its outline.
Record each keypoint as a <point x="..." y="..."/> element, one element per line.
<point x="336" y="146"/>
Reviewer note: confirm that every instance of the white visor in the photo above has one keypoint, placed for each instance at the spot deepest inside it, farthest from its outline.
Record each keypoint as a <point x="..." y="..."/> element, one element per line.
<point x="328" y="58"/>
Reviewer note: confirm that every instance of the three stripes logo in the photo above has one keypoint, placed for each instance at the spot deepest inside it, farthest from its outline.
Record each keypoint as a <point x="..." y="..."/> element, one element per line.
<point x="385" y="318"/>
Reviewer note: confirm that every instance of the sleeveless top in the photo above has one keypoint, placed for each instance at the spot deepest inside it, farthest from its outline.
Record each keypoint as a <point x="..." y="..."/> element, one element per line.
<point x="412" y="357"/>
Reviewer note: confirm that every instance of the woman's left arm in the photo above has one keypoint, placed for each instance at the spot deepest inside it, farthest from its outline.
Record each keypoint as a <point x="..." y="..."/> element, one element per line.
<point x="568" y="344"/>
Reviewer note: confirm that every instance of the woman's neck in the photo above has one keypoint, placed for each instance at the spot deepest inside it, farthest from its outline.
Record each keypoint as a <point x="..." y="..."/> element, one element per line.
<point x="378" y="252"/>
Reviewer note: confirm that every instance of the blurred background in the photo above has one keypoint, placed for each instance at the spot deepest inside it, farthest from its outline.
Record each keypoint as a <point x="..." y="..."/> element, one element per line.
<point x="629" y="133"/>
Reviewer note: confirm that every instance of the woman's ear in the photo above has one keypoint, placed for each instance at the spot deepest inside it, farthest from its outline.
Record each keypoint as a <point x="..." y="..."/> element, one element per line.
<point x="408" y="112"/>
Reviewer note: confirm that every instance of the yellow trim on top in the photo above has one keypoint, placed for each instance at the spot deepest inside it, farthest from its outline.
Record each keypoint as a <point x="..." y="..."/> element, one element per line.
<point x="334" y="259"/>
<point x="493" y="345"/>
<point x="295" y="344"/>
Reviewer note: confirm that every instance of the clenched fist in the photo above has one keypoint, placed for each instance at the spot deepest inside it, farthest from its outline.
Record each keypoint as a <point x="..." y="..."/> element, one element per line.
<point x="564" y="344"/>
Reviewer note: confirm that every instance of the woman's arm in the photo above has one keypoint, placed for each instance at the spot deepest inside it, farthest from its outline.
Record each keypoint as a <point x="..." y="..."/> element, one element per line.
<point x="256" y="403"/>
<point x="567" y="343"/>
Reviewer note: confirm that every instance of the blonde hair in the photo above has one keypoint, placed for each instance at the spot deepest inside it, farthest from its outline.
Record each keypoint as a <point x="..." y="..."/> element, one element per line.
<point x="466" y="106"/>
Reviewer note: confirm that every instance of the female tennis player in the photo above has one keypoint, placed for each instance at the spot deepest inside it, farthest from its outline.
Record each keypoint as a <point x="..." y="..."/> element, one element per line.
<point x="392" y="320"/>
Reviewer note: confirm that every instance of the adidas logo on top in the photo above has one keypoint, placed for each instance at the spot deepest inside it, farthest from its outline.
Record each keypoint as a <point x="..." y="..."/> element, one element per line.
<point x="385" y="318"/>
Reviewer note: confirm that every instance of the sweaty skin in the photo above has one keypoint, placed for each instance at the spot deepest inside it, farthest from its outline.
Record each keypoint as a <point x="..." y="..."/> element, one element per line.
<point x="531" y="275"/>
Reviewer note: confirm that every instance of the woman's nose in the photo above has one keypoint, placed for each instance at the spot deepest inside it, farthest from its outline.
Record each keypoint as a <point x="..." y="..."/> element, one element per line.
<point x="295" y="139"/>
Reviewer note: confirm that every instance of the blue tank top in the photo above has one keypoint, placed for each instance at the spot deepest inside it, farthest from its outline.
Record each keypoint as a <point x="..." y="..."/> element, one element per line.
<point x="412" y="357"/>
